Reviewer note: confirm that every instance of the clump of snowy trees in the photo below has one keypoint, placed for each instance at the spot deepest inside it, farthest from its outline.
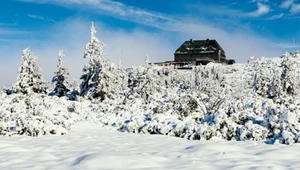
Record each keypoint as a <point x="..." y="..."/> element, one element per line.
<point x="254" y="101"/>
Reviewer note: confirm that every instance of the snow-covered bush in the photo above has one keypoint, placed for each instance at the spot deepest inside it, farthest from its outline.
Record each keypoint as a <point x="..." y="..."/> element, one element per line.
<point x="267" y="78"/>
<point x="283" y="121"/>
<point x="212" y="83"/>
<point x="35" y="115"/>
<point x="274" y="78"/>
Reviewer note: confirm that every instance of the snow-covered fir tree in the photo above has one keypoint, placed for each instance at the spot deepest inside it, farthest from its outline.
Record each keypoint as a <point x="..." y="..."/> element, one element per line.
<point x="90" y="85"/>
<point x="59" y="80"/>
<point x="99" y="80"/>
<point x="30" y="79"/>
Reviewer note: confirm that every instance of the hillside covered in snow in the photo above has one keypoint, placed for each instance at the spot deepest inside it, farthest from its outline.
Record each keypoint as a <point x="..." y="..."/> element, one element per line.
<point x="256" y="101"/>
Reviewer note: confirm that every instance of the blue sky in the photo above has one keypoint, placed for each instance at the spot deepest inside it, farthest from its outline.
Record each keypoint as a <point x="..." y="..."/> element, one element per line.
<point x="133" y="29"/>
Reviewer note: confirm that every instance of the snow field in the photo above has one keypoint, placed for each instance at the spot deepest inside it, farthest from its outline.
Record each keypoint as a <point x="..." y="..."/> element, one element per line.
<point x="89" y="146"/>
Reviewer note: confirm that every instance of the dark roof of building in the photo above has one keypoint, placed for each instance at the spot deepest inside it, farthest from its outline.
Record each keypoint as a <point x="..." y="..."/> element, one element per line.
<point x="204" y="46"/>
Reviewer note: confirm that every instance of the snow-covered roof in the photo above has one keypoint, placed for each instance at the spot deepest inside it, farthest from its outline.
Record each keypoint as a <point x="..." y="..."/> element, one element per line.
<point x="199" y="46"/>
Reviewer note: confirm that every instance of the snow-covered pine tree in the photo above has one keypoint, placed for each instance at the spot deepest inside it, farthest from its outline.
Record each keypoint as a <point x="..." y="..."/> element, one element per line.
<point x="98" y="77"/>
<point x="30" y="76"/>
<point x="60" y="76"/>
<point x="90" y="85"/>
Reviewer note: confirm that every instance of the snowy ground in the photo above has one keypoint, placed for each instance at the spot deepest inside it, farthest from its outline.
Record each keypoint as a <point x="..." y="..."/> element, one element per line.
<point x="89" y="146"/>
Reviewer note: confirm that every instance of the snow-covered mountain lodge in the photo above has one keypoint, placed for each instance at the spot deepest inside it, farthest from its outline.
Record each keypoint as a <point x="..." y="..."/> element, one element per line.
<point x="196" y="52"/>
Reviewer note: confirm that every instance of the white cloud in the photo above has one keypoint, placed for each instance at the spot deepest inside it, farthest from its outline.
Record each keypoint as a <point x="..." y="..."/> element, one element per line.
<point x="287" y="3"/>
<point x="7" y="24"/>
<point x="290" y="4"/>
<point x="39" y="17"/>
<point x="295" y="8"/>
<point x="35" y="16"/>
<point x="11" y="32"/>
<point x="274" y="17"/>
<point x="262" y="10"/>
<point x="259" y="1"/>
<point x="8" y="35"/>
<point x="113" y="8"/>
<point x="289" y="46"/>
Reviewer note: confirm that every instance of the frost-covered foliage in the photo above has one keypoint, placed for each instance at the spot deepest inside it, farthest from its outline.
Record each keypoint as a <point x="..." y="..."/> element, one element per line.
<point x="30" y="78"/>
<point x="36" y="115"/>
<point x="59" y="80"/>
<point x="238" y="102"/>
<point x="267" y="79"/>
<point x="255" y="101"/>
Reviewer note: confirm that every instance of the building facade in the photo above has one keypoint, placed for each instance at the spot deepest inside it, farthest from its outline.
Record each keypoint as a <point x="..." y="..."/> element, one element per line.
<point x="198" y="52"/>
